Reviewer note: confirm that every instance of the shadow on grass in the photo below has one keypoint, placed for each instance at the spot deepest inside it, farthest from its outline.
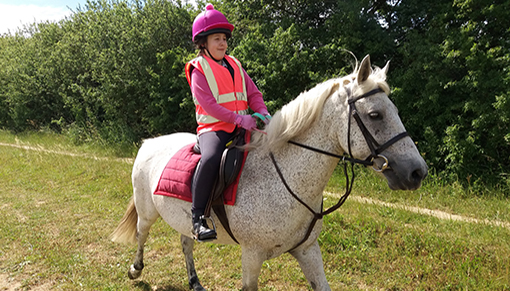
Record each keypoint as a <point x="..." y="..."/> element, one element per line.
<point x="144" y="286"/>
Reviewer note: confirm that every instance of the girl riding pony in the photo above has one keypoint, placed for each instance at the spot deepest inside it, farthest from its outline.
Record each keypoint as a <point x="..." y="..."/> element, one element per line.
<point x="222" y="92"/>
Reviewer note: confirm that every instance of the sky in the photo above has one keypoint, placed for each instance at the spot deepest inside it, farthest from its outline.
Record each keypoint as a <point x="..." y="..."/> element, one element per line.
<point x="15" y="13"/>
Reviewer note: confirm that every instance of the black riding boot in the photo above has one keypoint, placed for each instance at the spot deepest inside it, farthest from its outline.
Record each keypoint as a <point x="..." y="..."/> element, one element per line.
<point x="201" y="231"/>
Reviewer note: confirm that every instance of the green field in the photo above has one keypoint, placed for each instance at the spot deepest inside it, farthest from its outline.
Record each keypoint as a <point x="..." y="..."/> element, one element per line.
<point x="59" y="202"/>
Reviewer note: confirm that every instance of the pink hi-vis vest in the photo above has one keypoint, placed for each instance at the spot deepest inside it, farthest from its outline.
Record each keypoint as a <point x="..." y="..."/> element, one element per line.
<point x="228" y="93"/>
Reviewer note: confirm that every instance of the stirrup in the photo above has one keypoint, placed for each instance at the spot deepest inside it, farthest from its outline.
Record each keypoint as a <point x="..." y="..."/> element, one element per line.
<point x="211" y="219"/>
<point x="195" y="235"/>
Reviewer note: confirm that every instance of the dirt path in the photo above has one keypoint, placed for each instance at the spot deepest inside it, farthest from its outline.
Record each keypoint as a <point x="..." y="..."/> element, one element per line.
<point x="41" y="149"/>
<point x="7" y="284"/>
<point x="423" y="211"/>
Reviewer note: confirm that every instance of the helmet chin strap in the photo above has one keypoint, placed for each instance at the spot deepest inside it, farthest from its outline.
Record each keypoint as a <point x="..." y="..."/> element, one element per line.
<point x="210" y="55"/>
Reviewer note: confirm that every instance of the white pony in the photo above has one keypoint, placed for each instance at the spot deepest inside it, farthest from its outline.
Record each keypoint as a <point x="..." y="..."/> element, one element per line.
<point x="266" y="219"/>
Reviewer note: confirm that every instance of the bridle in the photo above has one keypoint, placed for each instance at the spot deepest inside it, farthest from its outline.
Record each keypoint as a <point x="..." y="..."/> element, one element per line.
<point x="375" y="153"/>
<point x="375" y="148"/>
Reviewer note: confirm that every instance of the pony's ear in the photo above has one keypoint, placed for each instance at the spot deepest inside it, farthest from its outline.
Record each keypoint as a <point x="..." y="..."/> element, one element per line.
<point x="365" y="70"/>
<point x="386" y="68"/>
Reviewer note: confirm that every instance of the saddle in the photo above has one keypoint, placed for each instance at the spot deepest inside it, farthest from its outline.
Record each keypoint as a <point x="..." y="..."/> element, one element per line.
<point x="231" y="164"/>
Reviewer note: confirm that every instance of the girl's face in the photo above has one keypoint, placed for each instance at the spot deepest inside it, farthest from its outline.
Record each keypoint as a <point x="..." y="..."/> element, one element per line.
<point x="217" y="45"/>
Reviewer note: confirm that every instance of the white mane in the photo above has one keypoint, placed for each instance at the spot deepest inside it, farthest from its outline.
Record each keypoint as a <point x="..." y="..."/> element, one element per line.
<point x="298" y="115"/>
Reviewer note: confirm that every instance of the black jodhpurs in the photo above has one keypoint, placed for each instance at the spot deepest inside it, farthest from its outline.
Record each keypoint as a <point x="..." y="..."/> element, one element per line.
<point x="212" y="144"/>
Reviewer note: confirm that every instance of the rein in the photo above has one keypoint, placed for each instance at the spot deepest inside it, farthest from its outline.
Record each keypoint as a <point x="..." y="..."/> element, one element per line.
<point x="341" y="157"/>
<point x="320" y="215"/>
<point x="375" y="153"/>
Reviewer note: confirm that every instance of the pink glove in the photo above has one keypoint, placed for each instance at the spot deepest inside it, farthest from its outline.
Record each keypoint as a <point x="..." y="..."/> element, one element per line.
<point x="246" y="121"/>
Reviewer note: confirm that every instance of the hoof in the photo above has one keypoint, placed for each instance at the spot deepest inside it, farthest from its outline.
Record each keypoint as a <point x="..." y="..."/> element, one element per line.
<point x="195" y="285"/>
<point x="134" y="273"/>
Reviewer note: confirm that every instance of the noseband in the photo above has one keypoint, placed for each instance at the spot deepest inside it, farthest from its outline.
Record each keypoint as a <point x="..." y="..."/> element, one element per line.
<point x="375" y="153"/>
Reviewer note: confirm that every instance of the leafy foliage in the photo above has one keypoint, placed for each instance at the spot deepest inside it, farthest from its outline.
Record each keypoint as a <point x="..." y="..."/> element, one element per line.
<point x="452" y="85"/>
<point x="113" y="70"/>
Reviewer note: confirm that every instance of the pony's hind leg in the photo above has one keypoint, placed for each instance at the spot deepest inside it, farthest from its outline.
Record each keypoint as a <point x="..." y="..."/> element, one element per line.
<point x="187" y="248"/>
<point x="147" y="215"/>
<point x="134" y="227"/>
<point x="143" y="227"/>
<point x="135" y="271"/>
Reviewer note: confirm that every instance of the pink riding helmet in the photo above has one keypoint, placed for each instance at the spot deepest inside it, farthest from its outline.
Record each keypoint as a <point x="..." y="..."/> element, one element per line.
<point x="211" y="21"/>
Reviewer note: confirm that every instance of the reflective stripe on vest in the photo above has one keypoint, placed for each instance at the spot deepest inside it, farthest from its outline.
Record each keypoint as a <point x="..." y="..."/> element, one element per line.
<point x="228" y="93"/>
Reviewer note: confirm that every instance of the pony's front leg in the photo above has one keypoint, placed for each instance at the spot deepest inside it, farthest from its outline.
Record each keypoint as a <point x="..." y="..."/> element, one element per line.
<point x="310" y="260"/>
<point x="187" y="248"/>
<point x="252" y="263"/>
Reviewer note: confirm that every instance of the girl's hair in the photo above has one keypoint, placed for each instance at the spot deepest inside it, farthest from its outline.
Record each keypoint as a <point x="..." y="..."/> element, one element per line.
<point x="199" y="44"/>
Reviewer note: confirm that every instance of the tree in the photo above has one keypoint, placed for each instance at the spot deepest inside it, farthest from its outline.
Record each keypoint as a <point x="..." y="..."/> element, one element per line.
<point x="289" y="46"/>
<point x="114" y="70"/>
<point x="452" y="84"/>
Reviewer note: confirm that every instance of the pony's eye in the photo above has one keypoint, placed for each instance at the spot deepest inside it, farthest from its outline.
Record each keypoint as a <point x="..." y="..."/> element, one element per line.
<point x="375" y="115"/>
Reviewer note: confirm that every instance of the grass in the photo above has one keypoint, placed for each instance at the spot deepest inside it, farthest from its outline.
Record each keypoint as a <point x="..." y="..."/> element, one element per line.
<point x="60" y="143"/>
<point x="434" y="194"/>
<point x="58" y="210"/>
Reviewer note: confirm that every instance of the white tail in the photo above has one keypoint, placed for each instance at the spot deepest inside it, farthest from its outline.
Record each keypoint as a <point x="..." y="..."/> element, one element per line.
<point x="126" y="230"/>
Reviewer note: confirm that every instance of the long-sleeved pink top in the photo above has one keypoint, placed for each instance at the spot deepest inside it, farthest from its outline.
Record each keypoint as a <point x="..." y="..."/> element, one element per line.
<point x="202" y="92"/>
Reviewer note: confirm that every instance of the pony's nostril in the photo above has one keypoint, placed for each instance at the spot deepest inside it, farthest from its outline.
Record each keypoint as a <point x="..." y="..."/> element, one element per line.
<point x="418" y="175"/>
